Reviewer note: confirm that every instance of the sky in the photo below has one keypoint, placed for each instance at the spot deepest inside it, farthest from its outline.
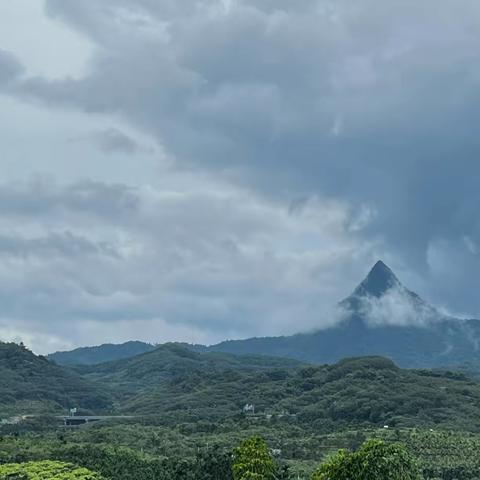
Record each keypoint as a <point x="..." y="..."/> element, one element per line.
<point x="212" y="169"/>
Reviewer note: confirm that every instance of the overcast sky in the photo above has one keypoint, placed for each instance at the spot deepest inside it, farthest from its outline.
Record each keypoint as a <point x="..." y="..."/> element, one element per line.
<point x="198" y="170"/>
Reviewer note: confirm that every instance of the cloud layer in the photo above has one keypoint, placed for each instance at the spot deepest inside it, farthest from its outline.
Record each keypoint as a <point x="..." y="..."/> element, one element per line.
<point x="300" y="137"/>
<point x="353" y="100"/>
<point x="88" y="259"/>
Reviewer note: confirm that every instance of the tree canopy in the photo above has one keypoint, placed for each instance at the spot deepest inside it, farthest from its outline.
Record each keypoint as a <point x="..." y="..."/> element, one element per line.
<point x="252" y="461"/>
<point x="374" y="460"/>
<point x="46" y="470"/>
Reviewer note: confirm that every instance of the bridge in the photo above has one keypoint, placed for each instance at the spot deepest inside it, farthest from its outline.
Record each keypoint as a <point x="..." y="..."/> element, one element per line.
<point x="78" y="420"/>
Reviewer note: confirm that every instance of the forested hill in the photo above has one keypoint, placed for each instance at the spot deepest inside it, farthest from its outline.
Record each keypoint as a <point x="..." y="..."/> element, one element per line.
<point x="178" y="386"/>
<point x="181" y="386"/>
<point x="99" y="354"/>
<point x="173" y="362"/>
<point x="31" y="384"/>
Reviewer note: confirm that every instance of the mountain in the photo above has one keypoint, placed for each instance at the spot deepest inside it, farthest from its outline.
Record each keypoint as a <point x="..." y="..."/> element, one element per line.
<point x="179" y="386"/>
<point x="380" y="317"/>
<point x="102" y="353"/>
<point x="32" y="384"/>
<point x="379" y="283"/>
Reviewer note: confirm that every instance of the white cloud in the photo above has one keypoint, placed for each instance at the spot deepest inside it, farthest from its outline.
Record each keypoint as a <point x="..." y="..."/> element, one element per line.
<point x="397" y="307"/>
<point x="45" y="47"/>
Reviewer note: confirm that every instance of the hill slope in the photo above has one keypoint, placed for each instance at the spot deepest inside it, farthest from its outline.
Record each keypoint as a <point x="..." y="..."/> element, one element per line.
<point x="384" y="318"/>
<point x="196" y="387"/>
<point x="171" y="362"/>
<point x="102" y="353"/>
<point x="31" y="384"/>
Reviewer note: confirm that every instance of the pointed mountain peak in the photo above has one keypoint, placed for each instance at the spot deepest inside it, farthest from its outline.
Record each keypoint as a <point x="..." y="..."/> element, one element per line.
<point x="371" y="303"/>
<point x="378" y="281"/>
<point x="381" y="267"/>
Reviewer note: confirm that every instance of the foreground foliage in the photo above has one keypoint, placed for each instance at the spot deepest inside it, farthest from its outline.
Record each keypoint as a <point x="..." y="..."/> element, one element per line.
<point x="374" y="460"/>
<point x="151" y="452"/>
<point x="253" y="461"/>
<point x="124" y="452"/>
<point x="45" y="470"/>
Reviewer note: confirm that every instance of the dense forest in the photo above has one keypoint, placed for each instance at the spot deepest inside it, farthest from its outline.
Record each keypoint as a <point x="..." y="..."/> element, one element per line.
<point x="434" y="455"/>
<point x="178" y="414"/>
<point x="181" y="386"/>
<point x="175" y="385"/>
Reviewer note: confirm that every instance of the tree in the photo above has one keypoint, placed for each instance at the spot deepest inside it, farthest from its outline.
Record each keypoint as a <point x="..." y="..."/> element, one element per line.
<point x="46" y="470"/>
<point x="252" y="461"/>
<point x="374" y="460"/>
<point x="213" y="464"/>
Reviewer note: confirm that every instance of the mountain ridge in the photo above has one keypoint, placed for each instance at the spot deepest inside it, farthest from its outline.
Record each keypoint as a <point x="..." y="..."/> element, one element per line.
<point x="380" y="317"/>
<point x="101" y="353"/>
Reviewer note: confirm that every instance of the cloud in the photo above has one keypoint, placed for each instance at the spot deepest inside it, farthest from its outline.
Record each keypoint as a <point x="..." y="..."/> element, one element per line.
<point x="304" y="135"/>
<point x="203" y="264"/>
<point x="353" y="101"/>
<point x="53" y="245"/>
<point x="112" y="140"/>
<point x="84" y="198"/>
<point x="10" y="68"/>
<point x="42" y="343"/>
<point x="396" y="307"/>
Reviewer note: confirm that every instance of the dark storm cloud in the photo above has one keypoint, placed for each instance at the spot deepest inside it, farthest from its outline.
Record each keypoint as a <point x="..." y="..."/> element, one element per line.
<point x="364" y="102"/>
<point x="369" y="105"/>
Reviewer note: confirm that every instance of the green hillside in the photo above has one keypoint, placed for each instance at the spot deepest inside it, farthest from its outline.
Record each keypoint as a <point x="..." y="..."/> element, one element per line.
<point x="179" y="384"/>
<point x="32" y="384"/>
<point x="172" y="362"/>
